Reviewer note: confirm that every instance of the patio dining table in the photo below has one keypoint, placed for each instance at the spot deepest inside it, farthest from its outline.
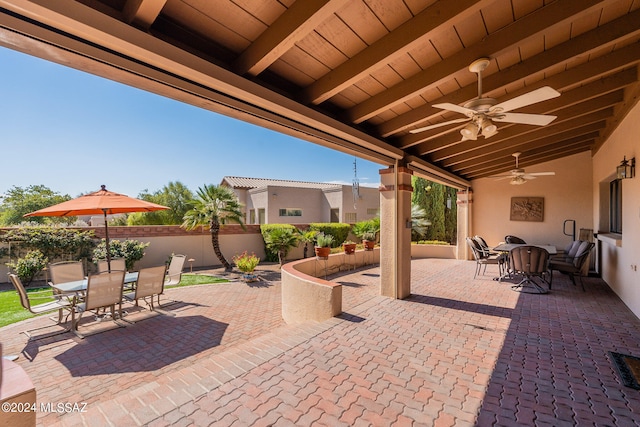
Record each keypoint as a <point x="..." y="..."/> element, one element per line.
<point x="81" y="285"/>
<point x="506" y="247"/>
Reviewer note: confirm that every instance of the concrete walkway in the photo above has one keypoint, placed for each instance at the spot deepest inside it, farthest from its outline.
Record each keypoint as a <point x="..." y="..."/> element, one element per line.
<point x="458" y="352"/>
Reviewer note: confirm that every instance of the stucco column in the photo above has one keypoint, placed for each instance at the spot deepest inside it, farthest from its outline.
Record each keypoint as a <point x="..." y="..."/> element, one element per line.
<point x="464" y="201"/>
<point x="395" y="232"/>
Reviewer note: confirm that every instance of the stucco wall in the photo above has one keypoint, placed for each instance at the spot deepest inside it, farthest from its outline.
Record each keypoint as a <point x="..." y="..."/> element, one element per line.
<point x="567" y="195"/>
<point x="616" y="261"/>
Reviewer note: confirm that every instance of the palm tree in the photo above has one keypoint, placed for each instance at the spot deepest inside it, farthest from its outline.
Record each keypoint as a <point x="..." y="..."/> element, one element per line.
<point x="419" y="223"/>
<point x="281" y="240"/>
<point x="214" y="205"/>
<point x="306" y="237"/>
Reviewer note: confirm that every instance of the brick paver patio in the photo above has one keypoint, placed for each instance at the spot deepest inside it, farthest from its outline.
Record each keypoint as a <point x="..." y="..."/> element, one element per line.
<point x="457" y="352"/>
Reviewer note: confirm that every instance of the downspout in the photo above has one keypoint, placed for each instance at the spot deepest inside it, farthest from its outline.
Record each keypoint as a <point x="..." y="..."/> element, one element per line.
<point x="395" y="234"/>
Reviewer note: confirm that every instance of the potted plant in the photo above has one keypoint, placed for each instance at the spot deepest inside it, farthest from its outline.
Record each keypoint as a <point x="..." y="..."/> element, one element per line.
<point x="366" y="231"/>
<point x="369" y="240"/>
<point x="323" y="245"/>
<point x="247" y="263"/>
<point x="349" y="247"/>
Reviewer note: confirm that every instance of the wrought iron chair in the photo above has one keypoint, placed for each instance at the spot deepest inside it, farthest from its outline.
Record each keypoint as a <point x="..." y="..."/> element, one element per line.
<point x="574" y="263"/>
<point x="530" y="262"/>
<point x="484" y="260"/>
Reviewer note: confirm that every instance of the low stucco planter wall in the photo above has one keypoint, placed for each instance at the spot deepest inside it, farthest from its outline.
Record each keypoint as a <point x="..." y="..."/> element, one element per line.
<point x="305" y="296"/>
<point x="434" y="251"/>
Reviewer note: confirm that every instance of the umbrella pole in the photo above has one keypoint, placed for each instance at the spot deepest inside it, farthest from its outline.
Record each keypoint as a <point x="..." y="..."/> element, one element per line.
<point x="106" y="240"/>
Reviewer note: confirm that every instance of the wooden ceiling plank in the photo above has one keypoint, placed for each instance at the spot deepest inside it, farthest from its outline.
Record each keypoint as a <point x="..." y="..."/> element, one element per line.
<point x="493" y="44"/>
<point x="407" y="36"/>
<point x="292" y="26"/>
<point x="594" y="69"/>
<point x="142" y="12"/>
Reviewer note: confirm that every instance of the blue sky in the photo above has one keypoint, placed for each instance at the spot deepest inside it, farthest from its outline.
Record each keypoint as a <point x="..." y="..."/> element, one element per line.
<point x="72" y="131"/>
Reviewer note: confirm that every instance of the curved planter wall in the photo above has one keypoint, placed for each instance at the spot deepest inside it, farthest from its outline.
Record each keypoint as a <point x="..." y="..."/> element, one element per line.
<point x="306" y="296"/>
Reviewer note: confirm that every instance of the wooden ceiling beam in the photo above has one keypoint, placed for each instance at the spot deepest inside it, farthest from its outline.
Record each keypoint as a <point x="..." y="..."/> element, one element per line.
<point x="142" y="13"/>
<point x="294" y="24"/>
<point x="406" y="37"/>
<point x="606" y="64"/>
<point x="505" y="161"/>
<point x="495" y="43"/>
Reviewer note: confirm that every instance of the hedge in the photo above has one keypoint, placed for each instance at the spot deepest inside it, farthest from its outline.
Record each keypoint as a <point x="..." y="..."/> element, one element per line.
<point x="339" y="231"/>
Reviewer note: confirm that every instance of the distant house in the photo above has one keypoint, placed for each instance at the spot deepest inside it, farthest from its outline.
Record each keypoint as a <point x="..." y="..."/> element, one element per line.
<point x="274" y="201"/>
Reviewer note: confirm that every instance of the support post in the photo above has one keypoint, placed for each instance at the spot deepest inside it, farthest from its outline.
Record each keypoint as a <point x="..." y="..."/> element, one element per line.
<point x="464" y="202"/>
<point x="395" y="232"/>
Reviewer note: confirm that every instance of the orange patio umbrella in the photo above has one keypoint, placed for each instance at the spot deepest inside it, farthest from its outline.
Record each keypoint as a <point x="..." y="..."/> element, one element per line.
<point x="103" y="202"/>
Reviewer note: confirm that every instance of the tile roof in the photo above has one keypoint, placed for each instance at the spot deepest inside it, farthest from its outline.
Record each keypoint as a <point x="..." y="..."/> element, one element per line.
<point x="242" y="182"/>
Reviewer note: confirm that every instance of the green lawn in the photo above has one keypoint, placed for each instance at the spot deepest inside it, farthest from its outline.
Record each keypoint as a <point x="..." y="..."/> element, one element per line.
<point x="11" y="311"/>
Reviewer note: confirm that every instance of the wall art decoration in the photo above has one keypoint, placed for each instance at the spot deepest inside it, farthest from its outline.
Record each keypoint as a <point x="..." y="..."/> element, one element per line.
<point x="527" y="209"/>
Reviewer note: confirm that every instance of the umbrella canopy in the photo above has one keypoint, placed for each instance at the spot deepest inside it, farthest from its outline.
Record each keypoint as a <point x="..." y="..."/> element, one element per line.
<point x="103" y="202"/>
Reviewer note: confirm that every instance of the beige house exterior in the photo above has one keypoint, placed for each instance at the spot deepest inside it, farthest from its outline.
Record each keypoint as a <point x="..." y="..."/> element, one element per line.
<point x="274" y="201"/>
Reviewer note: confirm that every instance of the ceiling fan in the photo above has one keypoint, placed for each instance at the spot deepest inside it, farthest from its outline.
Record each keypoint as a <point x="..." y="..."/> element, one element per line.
<point x="482" y="112"/>
<point x="518" y="175"/>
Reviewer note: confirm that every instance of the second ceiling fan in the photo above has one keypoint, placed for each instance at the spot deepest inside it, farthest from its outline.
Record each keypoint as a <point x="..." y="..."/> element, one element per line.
<point x="482" y="112"/>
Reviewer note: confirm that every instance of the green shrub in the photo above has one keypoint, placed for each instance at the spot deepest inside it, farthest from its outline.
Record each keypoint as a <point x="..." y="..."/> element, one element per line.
<point x="29" y="266"/>
<point x="339" y="231"/>
<point x="54" y="243"/>
<point x="130" y="250"/>
<point x="271" y="254"/>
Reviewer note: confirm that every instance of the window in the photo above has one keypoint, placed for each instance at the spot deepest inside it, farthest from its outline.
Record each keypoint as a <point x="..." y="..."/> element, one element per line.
<point x="615" y="206"/>
<point x="290" y="212"/>
<point x="372" y="211"/>
<point x="351" y="217"/>
<point x="252" y="216"/>
<point x="334" y="215"/>
<point x="261" y="216"/>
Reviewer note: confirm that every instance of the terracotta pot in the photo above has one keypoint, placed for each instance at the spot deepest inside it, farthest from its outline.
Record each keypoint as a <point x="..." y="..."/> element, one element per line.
<point x="369" y="244"/>
<point x="349" y="248"/>
<point x="322" y="252"/>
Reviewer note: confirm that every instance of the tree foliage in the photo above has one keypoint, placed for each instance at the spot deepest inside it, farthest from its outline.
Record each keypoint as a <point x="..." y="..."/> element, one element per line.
<point x="214" y="206"/>
<point x="439" y="204"/>
<point x="19" y="201"/>
<point x="175" y="196"/>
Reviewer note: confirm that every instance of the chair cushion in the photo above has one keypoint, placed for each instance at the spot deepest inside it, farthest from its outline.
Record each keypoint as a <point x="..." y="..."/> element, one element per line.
<point x="582" y="248"/>
<point x="573" y="248"/>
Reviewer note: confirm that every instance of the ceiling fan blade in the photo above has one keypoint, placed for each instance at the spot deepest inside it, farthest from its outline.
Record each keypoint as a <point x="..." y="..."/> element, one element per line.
<point x="499" y="177"/>
<point x="437" y="125"/>
<point x="457" y="108"/>
<point x="541" y="174"/>
<point x="538" y="95"/>
<point x="528" y="176"/>
<point x="525" y="119"/>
